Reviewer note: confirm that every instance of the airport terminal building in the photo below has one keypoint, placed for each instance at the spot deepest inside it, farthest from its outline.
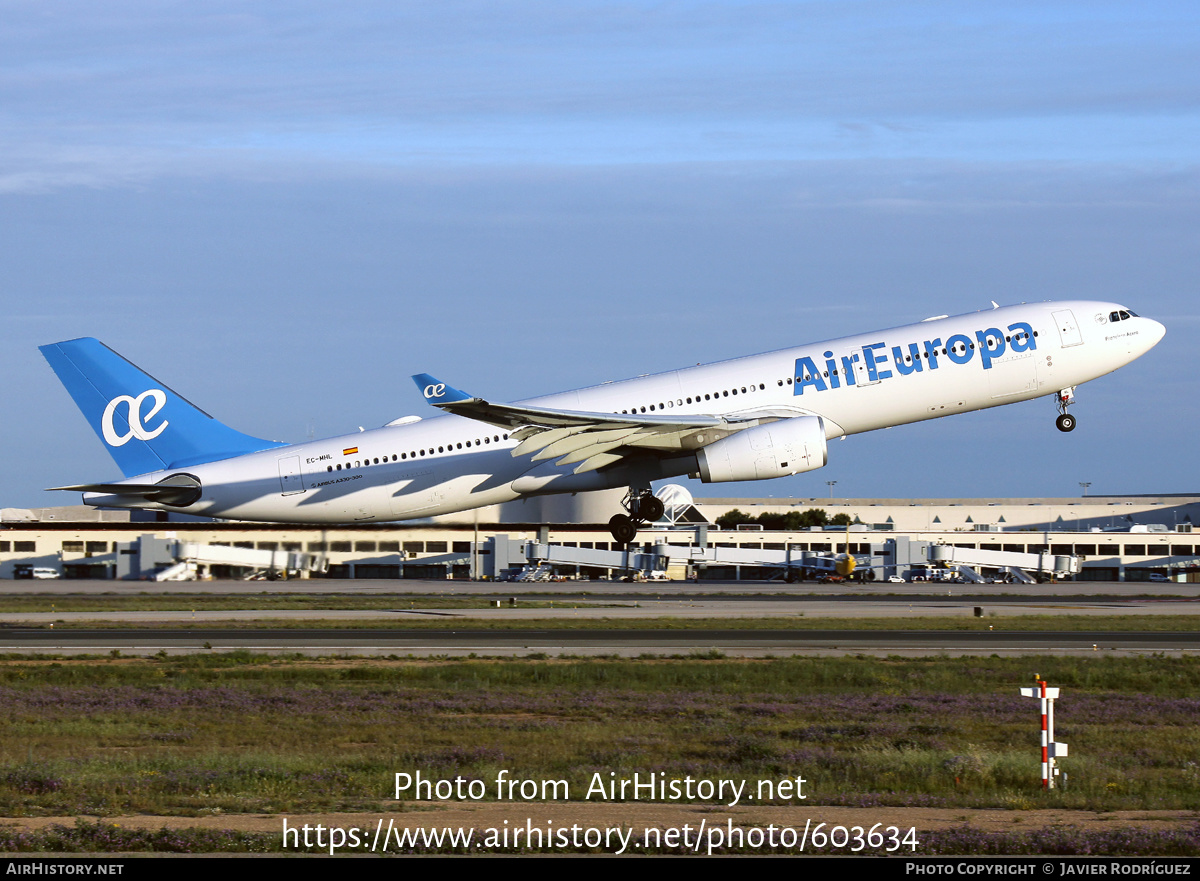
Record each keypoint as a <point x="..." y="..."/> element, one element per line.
<point x="1127" y="538"/>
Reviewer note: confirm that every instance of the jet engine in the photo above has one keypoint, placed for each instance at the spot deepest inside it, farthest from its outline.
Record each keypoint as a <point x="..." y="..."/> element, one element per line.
<point x="776" y="449"/>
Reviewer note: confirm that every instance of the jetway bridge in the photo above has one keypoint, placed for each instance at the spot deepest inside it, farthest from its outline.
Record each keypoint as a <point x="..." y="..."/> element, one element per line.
<point x="154" y="558"/>
<point x="892" y="557"/>
<point x="677" y="554"/>
<point x="1011" y="564"/>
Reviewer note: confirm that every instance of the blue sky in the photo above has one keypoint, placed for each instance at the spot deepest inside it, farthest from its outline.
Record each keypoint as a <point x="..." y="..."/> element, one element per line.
<point x="284" y="210"/>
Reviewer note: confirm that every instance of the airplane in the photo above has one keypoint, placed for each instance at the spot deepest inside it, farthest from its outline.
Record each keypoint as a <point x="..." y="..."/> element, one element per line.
<point x="752" y="418"/>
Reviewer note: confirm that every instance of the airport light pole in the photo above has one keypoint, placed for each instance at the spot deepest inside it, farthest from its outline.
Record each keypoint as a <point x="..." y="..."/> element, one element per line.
<point x="1085" y="486"/>
<point x="831" y="484"/>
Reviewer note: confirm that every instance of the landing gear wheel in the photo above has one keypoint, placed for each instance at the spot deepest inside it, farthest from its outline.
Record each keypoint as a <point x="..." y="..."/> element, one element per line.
<point x="650" y="509"/>
<point x="1065" y="422"/>
<point x="622" y="529"/>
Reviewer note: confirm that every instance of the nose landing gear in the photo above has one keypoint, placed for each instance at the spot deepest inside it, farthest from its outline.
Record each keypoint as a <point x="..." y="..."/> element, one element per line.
<point x="643" y="507"/>
<point x="1065" y="421"/>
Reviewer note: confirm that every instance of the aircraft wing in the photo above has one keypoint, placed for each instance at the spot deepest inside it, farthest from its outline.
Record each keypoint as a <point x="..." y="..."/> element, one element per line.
<point x="587" y="440"/>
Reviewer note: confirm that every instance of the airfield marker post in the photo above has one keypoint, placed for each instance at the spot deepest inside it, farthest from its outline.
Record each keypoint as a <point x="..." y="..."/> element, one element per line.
<point x="1051" y="751"/>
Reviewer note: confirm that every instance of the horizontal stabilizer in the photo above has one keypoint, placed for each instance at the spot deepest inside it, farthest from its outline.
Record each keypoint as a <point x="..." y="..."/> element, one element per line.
<point x="113" y="489"/>
<point x="178" y="490"/>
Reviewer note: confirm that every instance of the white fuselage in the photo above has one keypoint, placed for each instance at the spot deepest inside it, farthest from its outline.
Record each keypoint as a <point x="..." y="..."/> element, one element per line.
<point x="891" y="377"/>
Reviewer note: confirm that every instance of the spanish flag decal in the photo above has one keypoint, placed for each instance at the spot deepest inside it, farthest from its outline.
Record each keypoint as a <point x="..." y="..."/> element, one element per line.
<point x="349" y="451"/>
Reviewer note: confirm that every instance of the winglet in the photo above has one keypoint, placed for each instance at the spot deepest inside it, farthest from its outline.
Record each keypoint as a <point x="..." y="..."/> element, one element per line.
<point x="438" y="393"/>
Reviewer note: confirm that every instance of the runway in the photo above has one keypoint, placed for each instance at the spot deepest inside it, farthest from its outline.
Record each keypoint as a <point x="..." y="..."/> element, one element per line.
<point x="610" y="641"/>
<point x="589" y="622"/>
<point x="604" y="589"/>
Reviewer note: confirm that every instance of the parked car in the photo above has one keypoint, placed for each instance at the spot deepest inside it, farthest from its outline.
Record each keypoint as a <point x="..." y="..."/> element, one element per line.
<point x="24" y="570"/>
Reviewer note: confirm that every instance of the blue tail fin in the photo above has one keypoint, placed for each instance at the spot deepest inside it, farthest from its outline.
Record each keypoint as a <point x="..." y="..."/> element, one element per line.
<point x="144" y="425"/>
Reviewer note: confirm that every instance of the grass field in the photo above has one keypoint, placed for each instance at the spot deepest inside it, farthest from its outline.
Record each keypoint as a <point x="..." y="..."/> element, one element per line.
<point x="244" y="733"/>
<point x="229" y="734"/>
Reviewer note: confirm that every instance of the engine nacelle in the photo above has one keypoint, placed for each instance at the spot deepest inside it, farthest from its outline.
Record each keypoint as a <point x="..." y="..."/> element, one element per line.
<point x="776" y="449"/>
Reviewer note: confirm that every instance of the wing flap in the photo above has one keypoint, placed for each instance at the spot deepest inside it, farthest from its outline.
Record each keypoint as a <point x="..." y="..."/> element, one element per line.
<point x="534" y="438"/>
<point x="599" y="461"/>
<point x="590" y="446"/>
<point x="580" y="440"/>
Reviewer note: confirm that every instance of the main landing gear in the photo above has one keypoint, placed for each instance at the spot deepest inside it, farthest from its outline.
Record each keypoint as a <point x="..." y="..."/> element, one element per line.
<point x="643" y="507"/>
<point x="1065" y="421"/>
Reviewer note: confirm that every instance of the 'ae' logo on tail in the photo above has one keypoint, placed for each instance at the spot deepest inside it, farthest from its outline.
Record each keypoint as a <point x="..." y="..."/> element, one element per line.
<point x="137" y="422"/>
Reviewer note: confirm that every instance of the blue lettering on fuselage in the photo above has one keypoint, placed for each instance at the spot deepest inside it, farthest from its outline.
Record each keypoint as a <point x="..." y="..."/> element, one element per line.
<point x="808" y="374"/>
<point x="873" y="362"/>
<point x="991" y="343"/>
